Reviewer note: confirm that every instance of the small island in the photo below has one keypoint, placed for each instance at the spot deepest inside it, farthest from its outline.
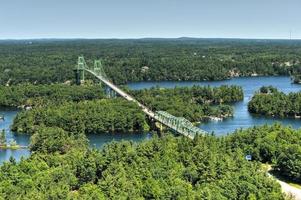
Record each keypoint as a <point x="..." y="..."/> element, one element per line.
<point x="296" y="78"/>
<point x="269" y="101"/>
<point x="12" y="144"/>
<point x="296" y="75"/>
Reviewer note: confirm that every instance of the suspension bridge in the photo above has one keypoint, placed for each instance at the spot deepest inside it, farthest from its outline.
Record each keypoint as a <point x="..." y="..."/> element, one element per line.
<point x="178" y="124"/>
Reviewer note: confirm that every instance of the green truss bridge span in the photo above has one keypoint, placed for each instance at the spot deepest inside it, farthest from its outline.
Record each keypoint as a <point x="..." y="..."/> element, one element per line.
<point x="178" y="124"/>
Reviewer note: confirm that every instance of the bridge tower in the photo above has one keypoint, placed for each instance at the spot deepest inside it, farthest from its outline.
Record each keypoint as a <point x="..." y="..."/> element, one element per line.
<point x="98" y="69"/>
<point x="80" y="70"/>
<point x="178" y="124"/>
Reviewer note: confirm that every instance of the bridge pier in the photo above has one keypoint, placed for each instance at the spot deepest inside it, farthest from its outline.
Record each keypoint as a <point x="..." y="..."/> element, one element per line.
<point x="109" y="92"/>
<point x="78" y="75"/>
<point x="165" y="120"/>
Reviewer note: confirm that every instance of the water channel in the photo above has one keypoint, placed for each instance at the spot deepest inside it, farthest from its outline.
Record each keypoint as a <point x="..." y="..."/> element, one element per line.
<point x="242" y="118"/>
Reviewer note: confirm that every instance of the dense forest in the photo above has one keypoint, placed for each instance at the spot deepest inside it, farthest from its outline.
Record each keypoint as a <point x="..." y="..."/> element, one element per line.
<point x="38" y="76"/>
<point x="275" y="144"/>
<point x="194" y="103"/>
<point x="96" y="116"/>
<point x="208" y="167"/>
<point x="52" y="61"/>
<point x="43" y="95"/>
<point x="271" y="102"/>
<point x="198" y="94"/>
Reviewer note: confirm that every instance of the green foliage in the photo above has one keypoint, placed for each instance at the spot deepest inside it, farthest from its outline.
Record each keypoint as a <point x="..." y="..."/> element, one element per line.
<point x="61" y="165"/>
<point x="53" y="61"/>
<point x="197" y="94"/>
<point x="296" y="78"/>
<point x="193" y="103"/>
<point x="41" y="95"/>
<point x="12" y="142"/>
<point x="289" y="162"/>
<point x="271" y="102"/>
<point x="97" y="116"/>
<point x="87" y="192"/>
<point x="296" y="74"/>
<point x="275" y="144"/>
<point x="51" y="139"/>
<point x="2" y="138"/>
<point x="161" y="168"/>
<point x="117" y="115"/>
<point x="36" y="178"/>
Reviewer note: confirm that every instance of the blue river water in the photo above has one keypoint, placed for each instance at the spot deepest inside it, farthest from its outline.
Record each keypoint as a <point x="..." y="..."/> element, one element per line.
<point x="21" y="139"/>
<point x="242" y="118"/>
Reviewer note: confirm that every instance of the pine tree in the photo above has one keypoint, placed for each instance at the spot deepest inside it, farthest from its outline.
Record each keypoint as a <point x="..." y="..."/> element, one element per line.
<point x="2" y="138"/>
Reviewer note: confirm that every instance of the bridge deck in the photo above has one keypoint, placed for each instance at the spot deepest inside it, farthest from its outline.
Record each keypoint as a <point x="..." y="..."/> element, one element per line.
<point x="180" y="125"/>
<point x="124" y="94"/>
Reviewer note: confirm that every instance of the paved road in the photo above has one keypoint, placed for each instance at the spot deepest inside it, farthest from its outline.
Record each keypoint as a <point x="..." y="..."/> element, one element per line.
<point x="290" y="190"/>
<point x="286" y="188"/>
<point x="144" y="108"/>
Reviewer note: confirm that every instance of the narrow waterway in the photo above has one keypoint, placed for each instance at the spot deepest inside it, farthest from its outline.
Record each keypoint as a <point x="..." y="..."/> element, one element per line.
<point x="21" y="139"/>
<point x="95" y="140"/>
<point x="242" y="118"/>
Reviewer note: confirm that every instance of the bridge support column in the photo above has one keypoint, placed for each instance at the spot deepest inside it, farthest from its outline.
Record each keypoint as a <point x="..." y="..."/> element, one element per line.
<point x="78" y="75"/>
<point x="109" y="92"/>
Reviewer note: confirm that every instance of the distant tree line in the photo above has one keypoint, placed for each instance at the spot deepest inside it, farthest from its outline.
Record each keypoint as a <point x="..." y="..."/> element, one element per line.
<point x="125" y="61"/>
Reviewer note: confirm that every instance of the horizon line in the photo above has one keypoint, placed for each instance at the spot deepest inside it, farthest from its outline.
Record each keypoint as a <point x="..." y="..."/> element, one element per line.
<point x="141" y="38"/>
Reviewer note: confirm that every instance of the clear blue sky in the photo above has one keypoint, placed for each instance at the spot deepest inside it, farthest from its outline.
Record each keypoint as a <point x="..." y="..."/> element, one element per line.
<point x="22" y="19"/>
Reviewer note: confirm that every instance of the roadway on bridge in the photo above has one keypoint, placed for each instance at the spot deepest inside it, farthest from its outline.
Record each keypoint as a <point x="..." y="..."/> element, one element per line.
<point x="178" y="124"/>
<point x="124" y="94"/>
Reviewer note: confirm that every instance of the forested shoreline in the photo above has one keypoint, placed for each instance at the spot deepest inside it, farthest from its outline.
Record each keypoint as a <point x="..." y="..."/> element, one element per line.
<point x="97" y="116"/>
<point x="42" y="95"/>
<point x="38" y="76"/>
<point x="194" y="103"/>
<point x="63" y="167"/>
<point x="86" y="109"/>
<point x="271" y="102"/>
<point x="53" y="61"/>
